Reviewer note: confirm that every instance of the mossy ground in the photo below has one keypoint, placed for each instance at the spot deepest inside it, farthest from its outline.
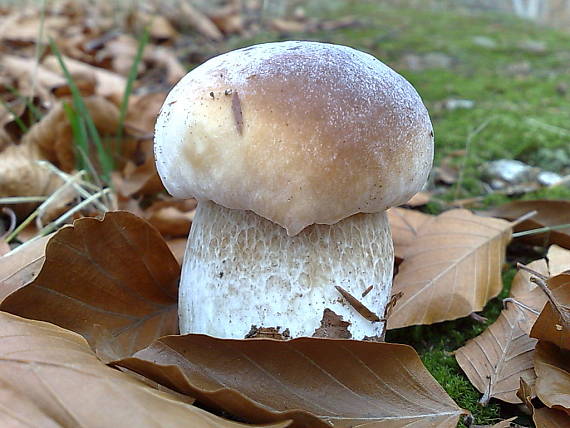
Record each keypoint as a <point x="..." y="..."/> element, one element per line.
<point x="521" y="112"/>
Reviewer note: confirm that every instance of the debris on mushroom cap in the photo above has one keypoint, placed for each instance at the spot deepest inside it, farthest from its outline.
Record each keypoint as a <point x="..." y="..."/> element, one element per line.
<point x="298" y="132"/>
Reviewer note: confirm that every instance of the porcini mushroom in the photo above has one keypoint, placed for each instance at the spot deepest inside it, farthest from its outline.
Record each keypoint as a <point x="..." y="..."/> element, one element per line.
<point x="294" y="151"/>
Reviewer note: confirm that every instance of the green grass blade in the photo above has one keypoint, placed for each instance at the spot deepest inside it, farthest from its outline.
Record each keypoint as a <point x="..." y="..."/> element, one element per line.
<point x="105" y="160"/>
<point x="143" y="41"/>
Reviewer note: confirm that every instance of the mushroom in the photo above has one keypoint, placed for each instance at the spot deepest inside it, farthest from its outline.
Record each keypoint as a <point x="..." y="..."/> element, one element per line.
<point x="294" y="151"/>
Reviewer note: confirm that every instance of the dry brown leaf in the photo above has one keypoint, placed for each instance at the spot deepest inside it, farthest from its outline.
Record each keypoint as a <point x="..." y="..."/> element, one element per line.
<point x="550" y="418"/>
<point x="553" y="323"/>
<point x="178" y="248"/>
<point x="161" y="29"/>
<point x="495" y="360"/>
<point x="341" y="382"/>
<point x="552" y="366"/>
<point x="526" y="293"/>
<point x="503" y="424"/>
<point x="50" y="378"/>
<point x="452" y="270"/>
<point x="558" y="259"/>
<point x="521" y="282"/>
<point x="172" y="217"/>
<point x="4" y="247"/>
<point x="419" y="199"/>
<point x="143" y="112"/>
<point x="166" y="59"/>
<point x="405" y="225"/>
<point x="543" y="417"/>
<point x="22" y="175"/>
<point x="109" y="85"/>
<point x="22" y="29"/>
<point x="113" y="280"/>
<point x="140" y="178"/>
<point x="26" y="68"/>
<point x="550" y="213"/>
<point x="21" y="266"/>
<point x="192" y="17"/>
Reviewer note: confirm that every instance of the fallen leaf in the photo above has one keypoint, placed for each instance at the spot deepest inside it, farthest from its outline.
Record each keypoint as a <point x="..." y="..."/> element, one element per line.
<point x="22" y="175"/>
<point x="22" y="29"/>
<point x="178" y="248"/>
<point x="550" y="213"/>
<point x="503" y="424"/>
<point x="419" y="199"/>
<point x="160" y="29"/>
<point x="25" y="68"/>
<point x="140" y="178"/>
<point x="172" y="217"/>
<point x="143" y="112"/>
<point x="522" y="284"/>
<point x="405" y="225"/>
<point x="113" y="280"/>
<point x="20" y="266"/>
<point x="553" y="324"/>
<point x="558" y="259"/>
<point x="550" y="418"/>
<point x="167" y="60"/>
<point x="50" y="378"/>
<point x="314" y="382"/>
<point x="495" y="360"/>
<point x="109" y="85"/>
<point x="452" y="269"/>
<point x="552" y="366"/>
<point x="542" y="417"/>
<point x="198" y="21"/>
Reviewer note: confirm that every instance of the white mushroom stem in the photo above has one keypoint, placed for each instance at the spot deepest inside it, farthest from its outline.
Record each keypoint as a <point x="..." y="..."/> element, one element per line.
<point x="241" y="270"/>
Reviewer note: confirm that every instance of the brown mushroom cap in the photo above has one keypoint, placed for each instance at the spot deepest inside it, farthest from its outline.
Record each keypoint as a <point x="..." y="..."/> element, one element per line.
<point x="298" y="132"/>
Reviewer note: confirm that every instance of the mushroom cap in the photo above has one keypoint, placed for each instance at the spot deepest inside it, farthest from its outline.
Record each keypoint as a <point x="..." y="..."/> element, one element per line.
<point x="297" y="132"/>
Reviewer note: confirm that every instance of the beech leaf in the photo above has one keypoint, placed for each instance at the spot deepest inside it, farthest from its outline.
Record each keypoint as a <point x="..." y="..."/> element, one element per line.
<point x="552" y="366"/>
<point x="550" y="418"/>
<point x="549" y="213"/>
<point x="314" y="382"/>
<point x="553" y="323"/>
<point x="405" y="225"/>
<point x="452" y="269"/>
<point x="114" y="281"/>
<point x="50" y="378"/>
<point x="21" y="266"/>
<point x="495" y="360"/>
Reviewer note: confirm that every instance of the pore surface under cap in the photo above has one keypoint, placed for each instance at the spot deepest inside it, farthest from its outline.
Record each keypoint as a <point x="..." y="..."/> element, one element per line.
<point x="298" y="132"/>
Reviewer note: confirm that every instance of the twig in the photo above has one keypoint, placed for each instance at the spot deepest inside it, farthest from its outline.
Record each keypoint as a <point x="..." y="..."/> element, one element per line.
<point x="532" y="271"/>
<point x="13" y="220"/>
<point x="524" y="217"/>
<point x="519" y="304"/>
<point x="73" y="179"/>
<point x="553" y="301"/>
<point x="541" y="230"/>
<point x="22" y="199"/>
